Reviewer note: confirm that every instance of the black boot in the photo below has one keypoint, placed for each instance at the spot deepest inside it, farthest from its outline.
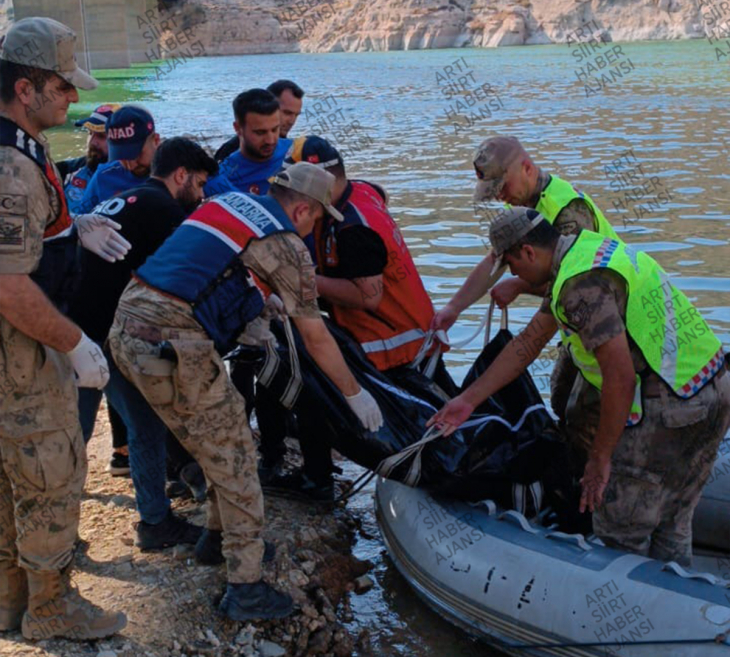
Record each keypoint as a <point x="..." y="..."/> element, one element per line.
<point x="173" y="530"/>
<point x="297" y="485"/>
<point x="244" y="602"/>
<point x="192" y="475"/>
<point x="209" y="548"/>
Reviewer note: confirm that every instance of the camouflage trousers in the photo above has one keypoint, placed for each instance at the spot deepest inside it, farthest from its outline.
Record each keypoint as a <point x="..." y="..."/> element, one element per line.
<point x="41" y="480"/>
<point x="658" y="470"/>
<point x="562" y="380"/>
<point x="42" y="455"/>
<point x="195" y="398"/>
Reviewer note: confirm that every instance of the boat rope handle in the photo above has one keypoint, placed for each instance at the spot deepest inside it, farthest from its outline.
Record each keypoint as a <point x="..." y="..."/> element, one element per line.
<point x="720" y="638"/>
<point x="576" y="539"/>
<point x="675" y="568"/>
<point x="489" y="505"/>
<point x="516" y="518"/>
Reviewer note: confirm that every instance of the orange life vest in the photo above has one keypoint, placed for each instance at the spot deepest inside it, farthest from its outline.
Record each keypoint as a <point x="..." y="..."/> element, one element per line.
<point x="392" y="334"/>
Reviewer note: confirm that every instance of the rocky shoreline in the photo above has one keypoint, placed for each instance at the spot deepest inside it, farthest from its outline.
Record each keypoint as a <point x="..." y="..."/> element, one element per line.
<point x="170" y="600"/>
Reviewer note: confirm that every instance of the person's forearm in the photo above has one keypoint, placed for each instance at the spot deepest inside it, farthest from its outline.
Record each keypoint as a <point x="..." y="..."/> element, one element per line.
<point x="476" y="285"/>
<point x="514" y="359"/>
<point x="617" y="395"/>
<point x="324" y="350"/>
<point x="23" y="304"/>
<point x="343" y="292"/>
<point x="536" y="290"/>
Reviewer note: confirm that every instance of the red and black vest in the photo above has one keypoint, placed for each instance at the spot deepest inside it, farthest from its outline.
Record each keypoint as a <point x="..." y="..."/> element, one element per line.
<point x="392" y="334"/>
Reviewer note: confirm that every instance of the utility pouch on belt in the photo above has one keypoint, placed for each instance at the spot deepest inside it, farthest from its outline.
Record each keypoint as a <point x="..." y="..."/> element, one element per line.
<point x="196" y="374"/>
<point x="227" y="305"/>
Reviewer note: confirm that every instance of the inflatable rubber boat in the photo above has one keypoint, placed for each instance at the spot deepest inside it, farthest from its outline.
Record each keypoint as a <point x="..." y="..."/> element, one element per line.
<point x="530" y="589"/>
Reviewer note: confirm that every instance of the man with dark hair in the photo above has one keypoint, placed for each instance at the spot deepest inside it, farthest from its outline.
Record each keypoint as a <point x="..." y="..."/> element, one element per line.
<point x="290" y="95"/>
<point x="189" y="303"/>
<point x="132" y="144"/>
<point x="260" y="150"/>
<point x="43" y="355"/>
<point x="77" y="172"/>
<point x="657" y="366"/>
<point x="370" y="286"/>
<point x="148" y="215"/>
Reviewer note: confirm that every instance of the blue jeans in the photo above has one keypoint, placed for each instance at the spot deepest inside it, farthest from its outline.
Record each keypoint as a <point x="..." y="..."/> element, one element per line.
<point x="146" y="434"/>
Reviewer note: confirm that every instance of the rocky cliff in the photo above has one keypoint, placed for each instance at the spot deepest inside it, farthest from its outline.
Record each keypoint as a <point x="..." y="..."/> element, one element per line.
<point x="355" y="25"/>
<point x="228" y="27"/>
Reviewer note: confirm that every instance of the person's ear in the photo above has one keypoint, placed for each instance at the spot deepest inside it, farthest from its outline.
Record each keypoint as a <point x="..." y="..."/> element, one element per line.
<point x="179" y="176"/>
<point x="530" y="253"/>
<point x="301" y="216"/>
<point x="24" y="90"/>
<point x="527" y="167"/>
<point x="237" y="127"/>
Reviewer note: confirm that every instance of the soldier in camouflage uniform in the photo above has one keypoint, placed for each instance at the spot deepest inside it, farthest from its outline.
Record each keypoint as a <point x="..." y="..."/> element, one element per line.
<point x="650" y="454"/>
<point x="42" y="453"/>
<point x="507" y="173"/>
<point x="191" y="390"/>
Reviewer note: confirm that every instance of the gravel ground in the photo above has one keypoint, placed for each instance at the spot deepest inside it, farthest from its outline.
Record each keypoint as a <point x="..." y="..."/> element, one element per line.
<point x="170" y="600"/>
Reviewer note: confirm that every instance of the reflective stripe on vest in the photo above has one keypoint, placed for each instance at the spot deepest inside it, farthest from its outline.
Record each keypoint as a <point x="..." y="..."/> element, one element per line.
<point x="391" y="335"/>
<point x="674" y="339"/>
<point x="394" y="342"/>
<point x="204" y="245"/>
<point x="559" y="193"/>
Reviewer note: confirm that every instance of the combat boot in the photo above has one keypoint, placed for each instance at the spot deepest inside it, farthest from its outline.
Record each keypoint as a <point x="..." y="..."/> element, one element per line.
<point x="13" y="595"/>
<point x="209" y="548"/>
<point x="243" y="602"/>
<point x="55" y="608"/>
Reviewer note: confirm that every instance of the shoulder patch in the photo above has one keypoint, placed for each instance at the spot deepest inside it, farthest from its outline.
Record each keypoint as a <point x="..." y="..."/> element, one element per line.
<point x="13" y="204"/>
<point x="12" y="234"/>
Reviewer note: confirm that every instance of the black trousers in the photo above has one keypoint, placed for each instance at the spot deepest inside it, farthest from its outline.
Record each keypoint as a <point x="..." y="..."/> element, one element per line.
<point x="274" y="420"/>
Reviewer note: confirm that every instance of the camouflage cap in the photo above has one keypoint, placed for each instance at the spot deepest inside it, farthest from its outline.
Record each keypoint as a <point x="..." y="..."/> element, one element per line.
<point x="509" y="228"/>
<point x="43" y="43"/>
<point x="310" y="180"/>
<point x="491" y="161"/>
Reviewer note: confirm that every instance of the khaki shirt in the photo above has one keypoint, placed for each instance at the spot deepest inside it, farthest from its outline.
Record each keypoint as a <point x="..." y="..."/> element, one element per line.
<point x="282" y="261"/>
<point x="573" y="218"/>
<point x="28" y="203"/>
<point x="37" y="391"/>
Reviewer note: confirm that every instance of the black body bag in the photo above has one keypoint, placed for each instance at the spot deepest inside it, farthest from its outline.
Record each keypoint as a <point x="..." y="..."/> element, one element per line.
<point x="509" y="440"/>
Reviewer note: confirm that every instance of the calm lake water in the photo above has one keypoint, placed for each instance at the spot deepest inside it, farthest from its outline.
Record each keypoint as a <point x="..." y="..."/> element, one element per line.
<point x="664" y="123"/>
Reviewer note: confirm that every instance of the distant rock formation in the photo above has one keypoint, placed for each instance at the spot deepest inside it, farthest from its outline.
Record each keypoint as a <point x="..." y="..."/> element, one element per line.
<point x="229" y="27"/>
<point x="236" y="26"/>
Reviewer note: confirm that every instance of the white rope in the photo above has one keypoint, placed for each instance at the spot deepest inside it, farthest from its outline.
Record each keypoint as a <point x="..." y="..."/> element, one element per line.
<point x="386" y="466"/>
<point x="413" y="476"/>
<point x="486" y="321"/>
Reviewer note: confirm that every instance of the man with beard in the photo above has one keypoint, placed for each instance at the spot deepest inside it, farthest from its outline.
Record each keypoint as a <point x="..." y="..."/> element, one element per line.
<point x="261" y="151"/>
<point x="132" y="144"/>
<point x="289" y="94"/>
<point x="77" y="172"/>
<point x="148" y="214"/>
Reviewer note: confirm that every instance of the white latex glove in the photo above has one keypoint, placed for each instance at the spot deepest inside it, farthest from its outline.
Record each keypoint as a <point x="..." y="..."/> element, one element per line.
<point x="366" y="409"/>
<point x="99" y="235"/>
<point x="89" y="363"/>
